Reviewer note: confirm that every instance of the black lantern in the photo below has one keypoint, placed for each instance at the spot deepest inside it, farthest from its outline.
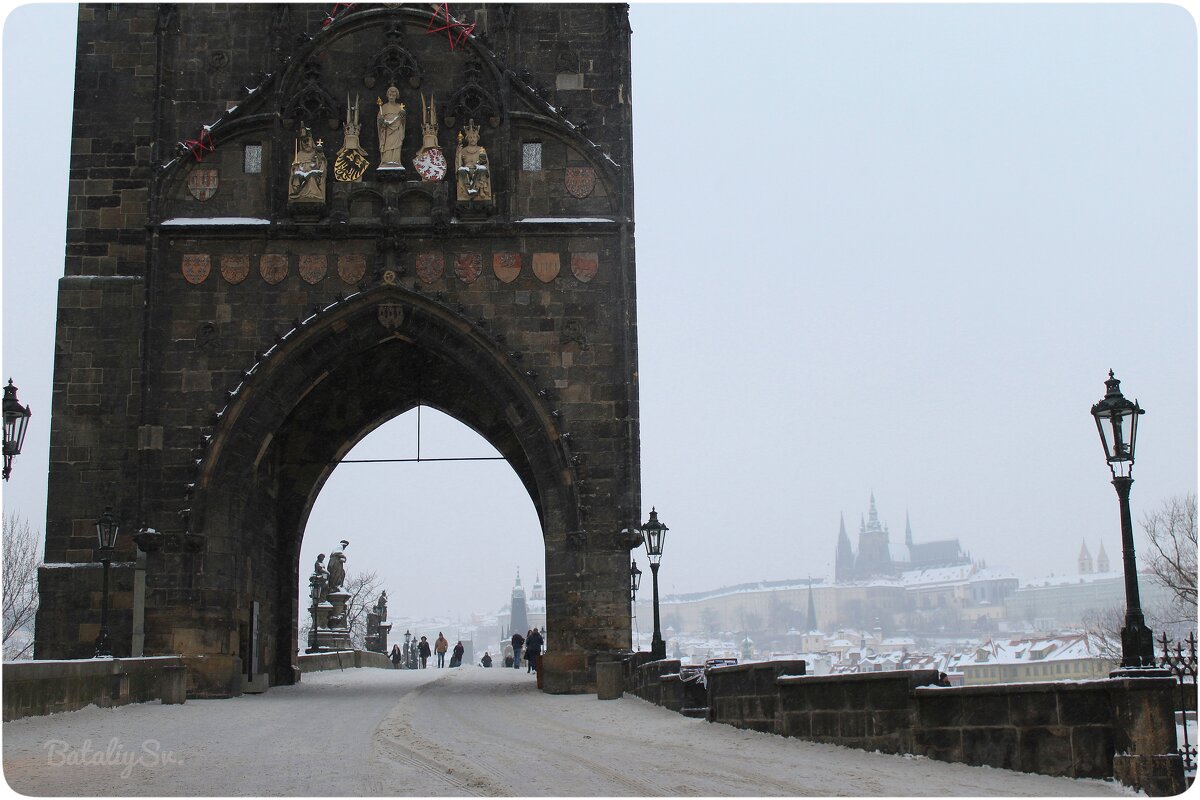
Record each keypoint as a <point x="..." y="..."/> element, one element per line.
<point x="1116" y="420"/>
<point x="653" y="534"/>
<point x="106" y="532"/>
<point x="16" y="420"/>
<point x="635" y="579"/>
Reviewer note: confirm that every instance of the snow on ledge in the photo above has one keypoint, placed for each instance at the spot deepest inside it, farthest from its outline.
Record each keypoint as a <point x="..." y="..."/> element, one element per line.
<point x="565" y="219"/>
<point x="216" y="221"/>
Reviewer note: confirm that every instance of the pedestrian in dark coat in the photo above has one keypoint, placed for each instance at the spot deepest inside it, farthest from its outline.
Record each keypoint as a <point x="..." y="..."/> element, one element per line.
<point x="456" y="657"/>
<point x="396" y="656"/>
<point x="517" y="641"/>
<point x="424" y="651"/>
<point x="533" y="649"/>
<point x="486" y="661"/>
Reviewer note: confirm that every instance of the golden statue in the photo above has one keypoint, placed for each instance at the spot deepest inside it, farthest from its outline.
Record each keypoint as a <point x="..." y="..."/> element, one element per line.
<point x="390" y="127"/>
<point x="307" y="183"/>
<point x="351" y="161"/>
<point x="471" y="166"/>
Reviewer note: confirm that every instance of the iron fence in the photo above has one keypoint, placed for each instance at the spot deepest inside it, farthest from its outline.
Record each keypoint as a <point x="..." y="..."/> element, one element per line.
<point x="1180" y="659"/>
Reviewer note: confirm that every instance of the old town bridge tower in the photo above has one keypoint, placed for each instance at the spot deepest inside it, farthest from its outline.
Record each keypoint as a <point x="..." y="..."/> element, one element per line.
<point x="288" y="224"/>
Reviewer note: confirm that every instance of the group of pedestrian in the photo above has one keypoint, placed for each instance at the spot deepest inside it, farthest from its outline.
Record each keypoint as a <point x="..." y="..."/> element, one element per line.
<point x="528" y="646"/>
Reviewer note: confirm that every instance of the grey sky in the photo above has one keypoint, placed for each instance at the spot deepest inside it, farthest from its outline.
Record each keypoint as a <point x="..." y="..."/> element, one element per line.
<point x="880" y="248"/>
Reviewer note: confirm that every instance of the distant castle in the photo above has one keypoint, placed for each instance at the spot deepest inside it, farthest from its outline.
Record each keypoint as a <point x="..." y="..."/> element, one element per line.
<point x="878" y="558"/>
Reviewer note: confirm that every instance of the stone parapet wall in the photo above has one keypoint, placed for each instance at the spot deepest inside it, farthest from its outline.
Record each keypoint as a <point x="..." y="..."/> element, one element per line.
<point x="34" y="688"/>
<point x="344" y="659"/>
<point x="1112" y="728"/>
<point x="747" y="695"/>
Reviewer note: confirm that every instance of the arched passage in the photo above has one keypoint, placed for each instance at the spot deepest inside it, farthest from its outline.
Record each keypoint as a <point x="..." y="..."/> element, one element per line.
<point x="328" y="384"/>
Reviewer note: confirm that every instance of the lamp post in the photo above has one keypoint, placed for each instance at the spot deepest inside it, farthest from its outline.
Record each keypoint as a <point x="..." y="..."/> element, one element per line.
<point x="653" y="534"/>
<point x="635" y="581"/>
<point x="407" y="639"/>
<point x="1117" y="421"/>
<point x="16" y="419"/>
<point x="106" y="532"/>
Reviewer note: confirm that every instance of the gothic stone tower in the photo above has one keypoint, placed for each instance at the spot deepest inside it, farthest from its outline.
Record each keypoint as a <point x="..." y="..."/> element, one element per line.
<point x="267" y="258"/>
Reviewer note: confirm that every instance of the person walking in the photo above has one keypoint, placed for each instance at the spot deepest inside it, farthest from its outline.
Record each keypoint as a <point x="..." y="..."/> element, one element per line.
<point x="517" y="641"/>
<point x="440" y="647"/>
<point x="486" y="661"/>
<point x="423" y="651"/>
<point x="533" y="649"/>
<point x="456" y="659"/>
<point x="396" y="656"/>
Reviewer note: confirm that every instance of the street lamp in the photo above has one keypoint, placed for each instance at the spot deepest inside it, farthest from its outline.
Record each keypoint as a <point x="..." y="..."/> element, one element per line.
<point x="106" y="532"/>
<point x="1117" y="420"/>
<point x="635" y="581"/>
<point x="653" y="534"/>
<point x="16" y="419"/>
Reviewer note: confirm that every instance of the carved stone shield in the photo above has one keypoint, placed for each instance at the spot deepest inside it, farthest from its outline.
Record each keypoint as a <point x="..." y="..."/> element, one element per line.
<point x="430" y="266"/>
<point x="234" y="269"/>
<point x="390" y="315"/>
<point x="202" y="182"/>
<point x="507" y="266"/>
<point x="431" y="164"/>
<point x="580" y="181"/>
<point x="196" y="267"/>
<point x="351" y="267"/>
<point x="467" y="266"/>
<point x="273" y="267"/>
<point x="312" y="268"/>
<point x="584" y="266"/>
<point x="546" y="266"/>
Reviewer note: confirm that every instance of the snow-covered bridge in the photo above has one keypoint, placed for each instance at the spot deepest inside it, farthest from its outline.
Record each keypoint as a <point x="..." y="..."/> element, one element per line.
<point x="456" y="732"/>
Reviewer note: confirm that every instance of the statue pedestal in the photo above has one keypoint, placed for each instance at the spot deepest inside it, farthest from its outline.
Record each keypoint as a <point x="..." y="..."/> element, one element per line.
<point x="329" y="628"/>
<point x="390" y="172"/>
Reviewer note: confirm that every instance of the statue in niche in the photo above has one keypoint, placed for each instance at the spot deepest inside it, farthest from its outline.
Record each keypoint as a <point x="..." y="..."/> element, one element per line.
<point x="351" y="161"/>
<point x="337" y="569"/>
<point x="430" y="162"/>
<point x="308" y="170"/>
<point x="318" y="582"/>
<point x="471" y="165"/>
<point x="390" y="127"/>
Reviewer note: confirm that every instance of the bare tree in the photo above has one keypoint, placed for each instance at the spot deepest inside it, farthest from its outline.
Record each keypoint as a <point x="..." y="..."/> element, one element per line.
<point x="1103" y="628"/>
<point x="1172" y="533"/>
<point x="363" y="588"/>
<point x="22" y="549"/>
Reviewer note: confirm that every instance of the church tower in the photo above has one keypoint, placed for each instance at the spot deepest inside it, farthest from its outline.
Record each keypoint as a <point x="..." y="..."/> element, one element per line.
<point x="1102" y="560"/>
<point x="874" y="556"/>
<point x="1085" y="559"/>
<point x="518" y="619"/>
<point x="843" y="568"/>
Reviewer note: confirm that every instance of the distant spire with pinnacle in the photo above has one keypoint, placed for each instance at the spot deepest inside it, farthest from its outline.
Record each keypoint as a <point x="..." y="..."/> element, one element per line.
<point x="1085" y="559"/>
<point x="811" y="620"/>
<point x="1102" y="560"/>
<point x="907" y="530"/>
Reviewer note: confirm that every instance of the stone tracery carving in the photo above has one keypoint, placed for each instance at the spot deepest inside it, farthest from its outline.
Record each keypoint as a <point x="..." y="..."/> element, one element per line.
<point x="393" y="64"/>
<point x="472" y="101"/>
<point x="311" y="102"/>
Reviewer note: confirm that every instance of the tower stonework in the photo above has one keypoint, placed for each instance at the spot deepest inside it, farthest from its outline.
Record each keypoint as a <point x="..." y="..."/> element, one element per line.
<point x="249" y="291"/>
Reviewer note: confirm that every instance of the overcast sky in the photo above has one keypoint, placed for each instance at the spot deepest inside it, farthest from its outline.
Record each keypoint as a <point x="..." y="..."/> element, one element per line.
<point x="889" y="249"/>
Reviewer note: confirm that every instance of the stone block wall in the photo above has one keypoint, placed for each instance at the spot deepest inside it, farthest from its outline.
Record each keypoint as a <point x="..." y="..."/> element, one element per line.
<point x="747" y="695"/>
<point x="872" y="711"/>
<point x="34" y="688"/>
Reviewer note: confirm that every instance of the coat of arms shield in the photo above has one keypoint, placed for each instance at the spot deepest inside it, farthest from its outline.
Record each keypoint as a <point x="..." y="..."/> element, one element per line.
<point x="546" y="266"/>
<point x="467" y="266"/>
<point x="390" y="315"/>
<point x="202" y="182"/>
<point x="580" y="181"/>
<point x="430" y="266"/>
<point x="507" y="266"/>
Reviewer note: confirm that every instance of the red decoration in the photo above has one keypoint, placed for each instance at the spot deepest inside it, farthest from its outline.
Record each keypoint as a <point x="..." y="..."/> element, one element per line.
<point x="337" y="9"/>
<point x="198" y="147"/>
<point x="456" y="32"/>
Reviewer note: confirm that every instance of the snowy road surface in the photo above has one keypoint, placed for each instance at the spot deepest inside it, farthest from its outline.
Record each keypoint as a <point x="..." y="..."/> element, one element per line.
<point x="458" y="732"/>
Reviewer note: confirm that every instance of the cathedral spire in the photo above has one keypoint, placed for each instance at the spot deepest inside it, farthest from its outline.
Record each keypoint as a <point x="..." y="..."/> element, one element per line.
<point x="843" y="565"/>
<point x="1102" y="560"/>
<point x="811" y="619"/>
<point x="1085" y="559"/>
<point x="907" y="530"/>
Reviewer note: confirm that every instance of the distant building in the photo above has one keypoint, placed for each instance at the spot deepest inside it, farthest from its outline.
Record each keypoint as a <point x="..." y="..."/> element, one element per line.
<point x="877" y="557"/>
<point x="1046" y="658"/>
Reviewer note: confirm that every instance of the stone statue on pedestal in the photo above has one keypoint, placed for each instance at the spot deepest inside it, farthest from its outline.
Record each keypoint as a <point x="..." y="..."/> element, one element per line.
<point x="307" y="184"/>
<point x="471" y="166"/>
